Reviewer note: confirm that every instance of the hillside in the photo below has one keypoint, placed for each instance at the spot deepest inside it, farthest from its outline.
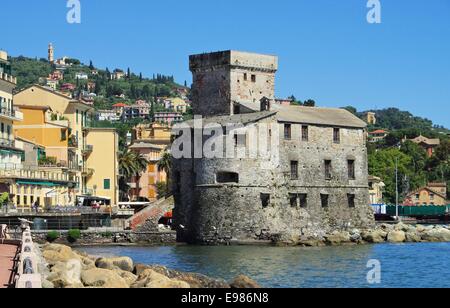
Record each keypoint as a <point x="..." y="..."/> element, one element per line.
<point x="127" y="89"/>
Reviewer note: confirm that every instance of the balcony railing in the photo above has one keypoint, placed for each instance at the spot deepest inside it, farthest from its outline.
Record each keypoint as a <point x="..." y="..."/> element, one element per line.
<point x="11" y="143"/>
<point x="35" y="175"/>
<point x="87" y="149"/>
<point x="11" y="113"/>
<point x="88" y="192"/>
<point x="8" y="78"/>
<point x="87" y="172"/>
<point x="73" y="142"/>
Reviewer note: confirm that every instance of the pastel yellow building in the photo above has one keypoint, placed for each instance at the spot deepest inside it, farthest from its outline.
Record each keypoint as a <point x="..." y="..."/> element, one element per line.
<point x="42" y="126"/>
<point x="101" y="170"/>
<point x="20" y="175"/>
<point x="87" y="148"/>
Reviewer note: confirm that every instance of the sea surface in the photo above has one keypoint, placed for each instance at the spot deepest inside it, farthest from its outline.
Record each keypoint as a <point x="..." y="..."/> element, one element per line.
<point x="401" y="265"/>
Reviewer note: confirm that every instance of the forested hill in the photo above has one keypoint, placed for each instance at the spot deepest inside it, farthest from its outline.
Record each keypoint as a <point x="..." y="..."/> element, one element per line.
<point x="132" y="86"/>
<point x="403" y="123"/>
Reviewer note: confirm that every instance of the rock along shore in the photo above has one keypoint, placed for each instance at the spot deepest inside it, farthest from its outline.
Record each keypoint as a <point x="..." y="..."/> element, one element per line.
<point x="383" y="233"/>
<point x="63" y="267"/>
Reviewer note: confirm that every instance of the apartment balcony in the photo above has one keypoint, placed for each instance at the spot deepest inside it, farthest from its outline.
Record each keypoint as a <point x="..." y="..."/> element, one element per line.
<point x="11" y="114"/>
<point x="8" y="78"/>
<point x="87" y="172"/>
<point x="87" y="149"/>
<point x="11" y="144"/>
<point x="73" y="142"/>
<point x="26" y="174"/>
<point x="88" y="192"/>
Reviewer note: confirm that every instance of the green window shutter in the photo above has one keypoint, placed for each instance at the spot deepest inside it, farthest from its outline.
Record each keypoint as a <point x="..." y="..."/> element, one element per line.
<point x="106" y="184"/>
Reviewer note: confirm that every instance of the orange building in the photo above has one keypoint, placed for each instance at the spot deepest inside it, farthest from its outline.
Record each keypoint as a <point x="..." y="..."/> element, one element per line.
<point x="151" y="141"/>
<point x="433" y="194"/>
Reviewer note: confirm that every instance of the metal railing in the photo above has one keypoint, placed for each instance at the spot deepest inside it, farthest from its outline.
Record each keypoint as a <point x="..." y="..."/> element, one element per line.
<point x="36" y="175"/>
<point x="7" y="142"/>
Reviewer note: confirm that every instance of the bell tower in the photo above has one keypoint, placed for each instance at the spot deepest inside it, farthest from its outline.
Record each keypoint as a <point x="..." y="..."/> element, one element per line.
<point x="51" y="57"/>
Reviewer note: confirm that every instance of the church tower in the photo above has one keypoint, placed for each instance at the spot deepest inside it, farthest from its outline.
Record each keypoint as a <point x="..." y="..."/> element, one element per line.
<point x="51" y="58"/>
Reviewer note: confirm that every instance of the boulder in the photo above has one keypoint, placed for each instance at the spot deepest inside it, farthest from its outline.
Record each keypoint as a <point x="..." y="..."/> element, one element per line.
<point x="337" y="238"/>
<point x="386" y="227"/>
<point x="420" y="228"/>
<point x="151" y="279"/>
<point x="103" y="278"/>
<point x="355" y="236"/>
<point x="193" y="279"/>
<point x="54" y="253"/>
<point x="402" y="227"/>
<point x="436" y="235"/>
<point x="413" y="237"/>
<point x="66" y="274"/>
<point x="374" y="236"/>
<point x="244" y="282"/>
<point x="396" y="236"/>
<point x="130" y="278"/>
<point x="123" y="263"/>
<point x="47" y="284"/>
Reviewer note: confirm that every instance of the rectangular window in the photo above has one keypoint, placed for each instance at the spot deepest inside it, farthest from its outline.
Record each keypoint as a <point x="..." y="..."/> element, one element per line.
<point x="253" y="78"/>
<point x="106" y="184"/>
<point x="328" y="169"/>
<point x="351" y="200"/>
<point x="305" y="133"/>
<point x="324" y="200"/>
<point x="227" y="177"/>
<point x="77" y="115"/>
<point x="294" y="170"/>
<point x="303" y="200"/>
<point x="431" y="196"/>
<point x="245" y="76"/>
<point x="351" y="169"/>
<point x="336" y="135"/>
<point x="265" y="200"/>
<point x="63" y="135"/>
<point x="293" y="200"/>
<point x="287" y="131"/>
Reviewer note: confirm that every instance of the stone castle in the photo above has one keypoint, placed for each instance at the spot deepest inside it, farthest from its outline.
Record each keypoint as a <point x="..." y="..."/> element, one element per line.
<point x="317" y="183"/>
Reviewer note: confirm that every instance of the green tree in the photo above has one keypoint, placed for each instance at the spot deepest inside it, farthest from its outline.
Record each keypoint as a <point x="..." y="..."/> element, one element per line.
<point x="130" y="164"/>
<point x="382" y="164"/>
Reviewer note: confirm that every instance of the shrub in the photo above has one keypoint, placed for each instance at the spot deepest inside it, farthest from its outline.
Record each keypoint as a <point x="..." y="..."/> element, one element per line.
<point x="73" y="235"/>
<point x="52" y="236"/>
<point x="107" y="234"/>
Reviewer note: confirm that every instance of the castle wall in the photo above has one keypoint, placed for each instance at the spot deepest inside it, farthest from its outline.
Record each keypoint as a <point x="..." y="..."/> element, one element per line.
<point x="215" y="212"/>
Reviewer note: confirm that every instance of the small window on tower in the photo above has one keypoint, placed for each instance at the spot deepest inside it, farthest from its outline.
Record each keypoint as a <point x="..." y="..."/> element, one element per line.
<point x="253" y="78"/>
<point x="265" y="200"/>
<point x="245" y="76"/>
<point x="324" y="200"/>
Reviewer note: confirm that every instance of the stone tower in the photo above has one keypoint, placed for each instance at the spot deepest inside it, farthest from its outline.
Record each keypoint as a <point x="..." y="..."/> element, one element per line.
<point x="225" y="80"/>
<point x="51" y="57"/>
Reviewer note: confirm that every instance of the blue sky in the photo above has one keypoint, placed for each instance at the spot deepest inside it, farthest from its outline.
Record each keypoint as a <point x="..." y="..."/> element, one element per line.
<point x="327" y="50"/>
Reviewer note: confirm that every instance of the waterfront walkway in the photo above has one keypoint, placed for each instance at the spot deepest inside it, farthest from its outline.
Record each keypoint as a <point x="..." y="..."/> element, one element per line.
<point x="7" y="255"/>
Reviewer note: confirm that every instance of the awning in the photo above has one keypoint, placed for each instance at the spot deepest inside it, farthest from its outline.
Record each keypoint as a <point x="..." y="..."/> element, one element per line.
<point x="47" y="184"/>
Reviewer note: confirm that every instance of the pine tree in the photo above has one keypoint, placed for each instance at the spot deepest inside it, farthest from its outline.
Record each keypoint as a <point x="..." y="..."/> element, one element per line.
<point x="91" y="66"/>
<point x="140" y="77"/>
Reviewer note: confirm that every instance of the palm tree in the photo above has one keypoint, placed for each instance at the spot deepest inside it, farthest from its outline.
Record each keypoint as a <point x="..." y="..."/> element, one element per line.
<point x="165" y="164"/>
<point x="130" y="164"/>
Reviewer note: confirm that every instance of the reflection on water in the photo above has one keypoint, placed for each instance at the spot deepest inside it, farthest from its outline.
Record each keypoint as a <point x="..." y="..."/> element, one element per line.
<point x="409" y="265"/>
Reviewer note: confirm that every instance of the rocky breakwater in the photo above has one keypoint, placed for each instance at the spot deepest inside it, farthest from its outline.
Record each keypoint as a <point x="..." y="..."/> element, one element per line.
<point x="67" y="268"/>
<point x="383" y="233"/>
